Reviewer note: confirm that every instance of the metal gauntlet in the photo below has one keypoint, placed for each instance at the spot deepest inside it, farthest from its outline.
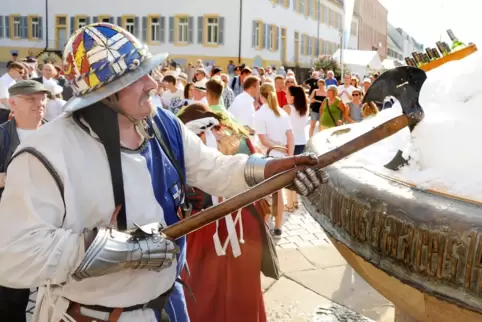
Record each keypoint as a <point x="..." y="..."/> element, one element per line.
<point x="113" y="251"/>
<point x="254" y="169"/>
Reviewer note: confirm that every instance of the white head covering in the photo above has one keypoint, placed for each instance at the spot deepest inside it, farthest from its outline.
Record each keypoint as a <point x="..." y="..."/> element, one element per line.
<point x="53" y="87"/>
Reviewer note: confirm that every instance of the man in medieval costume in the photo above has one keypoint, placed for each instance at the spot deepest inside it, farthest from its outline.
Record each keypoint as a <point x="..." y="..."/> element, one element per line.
<point x="87" y="195"/>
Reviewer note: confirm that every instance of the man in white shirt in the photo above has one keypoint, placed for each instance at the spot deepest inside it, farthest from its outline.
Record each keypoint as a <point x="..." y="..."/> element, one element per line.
<point x="15" y="73"/>
<point x="171" y="90"/>
<point x="28" y="101"/>
<point x="243" y="105"/>
<point x="345" y="90"/>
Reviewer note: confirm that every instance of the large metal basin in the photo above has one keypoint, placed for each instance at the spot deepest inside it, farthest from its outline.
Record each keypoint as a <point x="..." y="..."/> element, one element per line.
<point x="422" y="251"/>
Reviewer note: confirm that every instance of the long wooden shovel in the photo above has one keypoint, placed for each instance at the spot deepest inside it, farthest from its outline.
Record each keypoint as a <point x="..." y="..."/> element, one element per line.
<point x="404" y="82"/>
<point x="283" y="179"/>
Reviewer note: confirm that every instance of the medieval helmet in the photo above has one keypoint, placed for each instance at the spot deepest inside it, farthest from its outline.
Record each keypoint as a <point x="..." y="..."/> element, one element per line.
<point x="100" y="59"/>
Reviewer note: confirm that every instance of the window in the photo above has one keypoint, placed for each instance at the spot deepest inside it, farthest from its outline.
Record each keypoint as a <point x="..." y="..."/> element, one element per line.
<point x="130" y="25"/>
<point x="353" y="29"/>
<point x="331" y="21"/>
<point x="81" y="22"/>
<point x="62" y="20"/>
<point x="34" y="27"/>
<point x="212" y="29"/>
<point x="257" y="34"/>
<point x="16" y="27"/>
<point x="302" y="7"/>
<point x="272" y="37"/>
<point x="325" y="14"/>
<point x="297" y="47"/>
<point x="314" y="9"/>
<point x="105" y="19"/>
<point x="182" y="27"/>
<point x="155" y="29"/>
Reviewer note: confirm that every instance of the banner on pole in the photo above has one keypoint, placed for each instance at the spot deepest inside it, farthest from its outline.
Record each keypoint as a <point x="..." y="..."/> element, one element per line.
<point x="348" y="6"/>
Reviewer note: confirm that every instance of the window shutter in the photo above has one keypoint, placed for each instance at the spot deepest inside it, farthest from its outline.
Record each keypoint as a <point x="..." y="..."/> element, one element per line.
<point x="302" y="44"/>
<point x="1" y="27"/>
<point x="318" y="4"/>
<point x="40" y="28"/>
<point x="24" y="27"/>
<point x="200" y="30"/>
<point x="253" y="34"/>
<point x="111" y="20"/>
<point x="87" y="20"/>
<point x="144" y="29"/>
<point x="95" y="19"/>
<point x="277" y="38"/>
<point x="190" y="30"/>
<point x="221" y="30"/>
<point x="266" y="35"/>
<point x="268" y="40"/>
<point x="7" y="27"/>
<point x="137" y="27"/>
<point x="295" y="5"/>
<point x="72" y="25"/>
<point x="162" y="29"/>
<point x="309" y="46"/>
<point x="171" y="29"/>
<point x="119" y="21"/>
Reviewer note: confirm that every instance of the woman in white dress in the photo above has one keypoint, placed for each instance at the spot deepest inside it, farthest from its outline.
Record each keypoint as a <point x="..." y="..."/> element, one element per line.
<point x="273" y="127"/>
<point x="297" y="109"/>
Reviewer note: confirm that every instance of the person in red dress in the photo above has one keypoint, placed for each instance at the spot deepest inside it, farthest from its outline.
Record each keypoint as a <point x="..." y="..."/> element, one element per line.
<point x="224" y="258"/>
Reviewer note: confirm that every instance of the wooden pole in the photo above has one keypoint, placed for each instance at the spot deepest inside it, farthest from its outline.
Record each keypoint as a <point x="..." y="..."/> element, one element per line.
<point x="283" y="179"/>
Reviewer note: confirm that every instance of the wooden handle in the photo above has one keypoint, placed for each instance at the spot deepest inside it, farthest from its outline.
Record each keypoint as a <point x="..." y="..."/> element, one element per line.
<point x="282" y="180"/>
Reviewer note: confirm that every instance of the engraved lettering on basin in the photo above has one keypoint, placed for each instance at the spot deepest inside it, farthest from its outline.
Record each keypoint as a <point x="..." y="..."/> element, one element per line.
<point x="452" y="257"/>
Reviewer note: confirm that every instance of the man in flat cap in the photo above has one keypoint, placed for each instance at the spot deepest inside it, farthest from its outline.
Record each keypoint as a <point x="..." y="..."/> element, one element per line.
<point x="28" y="101"/>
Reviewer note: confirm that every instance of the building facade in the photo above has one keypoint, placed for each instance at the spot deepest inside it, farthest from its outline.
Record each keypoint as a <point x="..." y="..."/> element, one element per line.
<point x="373" y="33"/>
<point x="256" y="32"/>
<point x="401" y="44"/>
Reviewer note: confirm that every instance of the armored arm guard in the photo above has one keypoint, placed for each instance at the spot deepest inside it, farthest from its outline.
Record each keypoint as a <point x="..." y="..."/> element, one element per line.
<point x="112" y="251"/>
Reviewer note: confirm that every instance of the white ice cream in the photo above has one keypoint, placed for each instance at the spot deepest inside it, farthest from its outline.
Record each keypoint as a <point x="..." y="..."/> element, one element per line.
<point x="444" y="148"/>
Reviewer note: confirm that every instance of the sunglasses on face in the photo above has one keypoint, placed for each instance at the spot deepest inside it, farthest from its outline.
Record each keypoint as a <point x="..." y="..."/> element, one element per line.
<point x="356" y="95"/>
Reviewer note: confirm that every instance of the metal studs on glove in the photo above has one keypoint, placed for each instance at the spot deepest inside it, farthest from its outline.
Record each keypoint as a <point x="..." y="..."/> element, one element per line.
<point x="307" y="181"/>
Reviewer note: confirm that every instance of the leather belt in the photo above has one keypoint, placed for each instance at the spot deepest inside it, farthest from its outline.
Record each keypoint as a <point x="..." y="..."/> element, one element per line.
<point x="111" y="309"/>
<point x="74" y="311"/>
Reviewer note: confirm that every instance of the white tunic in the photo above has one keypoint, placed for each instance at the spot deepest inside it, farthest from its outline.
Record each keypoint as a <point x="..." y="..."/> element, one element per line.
<point x="35" y="251"/>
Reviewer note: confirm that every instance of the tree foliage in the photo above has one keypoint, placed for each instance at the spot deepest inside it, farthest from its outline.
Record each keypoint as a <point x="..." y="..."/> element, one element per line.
<point x="327" y="63"/>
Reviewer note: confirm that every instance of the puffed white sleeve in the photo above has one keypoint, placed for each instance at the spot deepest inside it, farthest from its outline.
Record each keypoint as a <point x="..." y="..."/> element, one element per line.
<point x="211" y="171"/>
<point x="33" y="249"/>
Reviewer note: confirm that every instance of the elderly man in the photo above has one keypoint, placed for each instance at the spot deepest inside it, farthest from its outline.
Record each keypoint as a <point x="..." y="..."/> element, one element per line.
<point x="330" y="79"/>
<point x="49" y="72"/>
<point x="93" y="241"/>
<point x="28" y="101"/>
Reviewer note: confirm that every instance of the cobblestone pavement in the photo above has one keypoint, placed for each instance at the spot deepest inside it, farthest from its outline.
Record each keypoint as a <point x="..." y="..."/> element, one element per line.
<point x="301" y="230"/>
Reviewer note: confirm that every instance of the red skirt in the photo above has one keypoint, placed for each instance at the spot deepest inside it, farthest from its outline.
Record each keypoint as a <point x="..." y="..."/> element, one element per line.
<point x="226" y="289"/>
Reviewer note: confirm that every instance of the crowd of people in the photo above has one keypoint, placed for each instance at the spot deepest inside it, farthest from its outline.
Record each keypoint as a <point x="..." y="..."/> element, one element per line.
<point x="270" y="105"/>
<point x="171" y="170"/>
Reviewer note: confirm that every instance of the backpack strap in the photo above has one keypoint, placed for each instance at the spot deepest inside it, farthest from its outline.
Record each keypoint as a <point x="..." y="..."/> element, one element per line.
<point x="50" y="168"/>
<point x="6" y="147"/>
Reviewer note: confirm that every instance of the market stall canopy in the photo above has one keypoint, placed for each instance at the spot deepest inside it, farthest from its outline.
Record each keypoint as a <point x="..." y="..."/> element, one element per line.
<point x="360" y="61"/>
